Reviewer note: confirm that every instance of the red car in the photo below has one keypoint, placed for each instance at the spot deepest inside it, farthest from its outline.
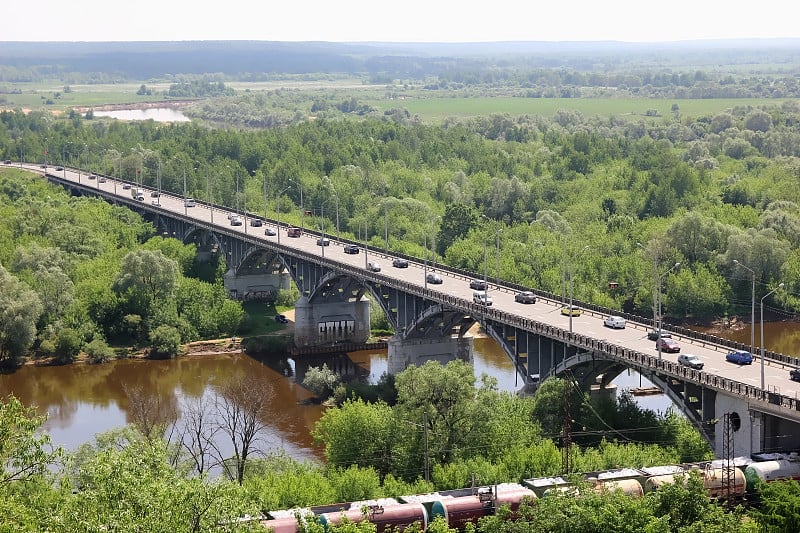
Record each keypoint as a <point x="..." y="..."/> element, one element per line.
<point x="668" y="345"/>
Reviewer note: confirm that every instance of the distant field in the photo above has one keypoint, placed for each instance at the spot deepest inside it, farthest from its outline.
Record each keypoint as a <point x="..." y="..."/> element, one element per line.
<point x="430" y="106"/>
<point x="440" y="108"/>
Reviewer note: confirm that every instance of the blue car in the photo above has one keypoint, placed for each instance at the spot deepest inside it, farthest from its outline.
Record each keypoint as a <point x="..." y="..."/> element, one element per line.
<point x="740" y="357"/>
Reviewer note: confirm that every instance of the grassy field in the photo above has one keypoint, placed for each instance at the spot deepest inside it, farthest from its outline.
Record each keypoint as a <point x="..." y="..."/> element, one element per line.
<point x="430" y="106"/>
<point x="433" y="109"/>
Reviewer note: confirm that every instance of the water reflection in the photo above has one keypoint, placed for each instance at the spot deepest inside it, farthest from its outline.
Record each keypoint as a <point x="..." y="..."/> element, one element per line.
<point x="159" y="114"/>
<point x="83" y="400"/>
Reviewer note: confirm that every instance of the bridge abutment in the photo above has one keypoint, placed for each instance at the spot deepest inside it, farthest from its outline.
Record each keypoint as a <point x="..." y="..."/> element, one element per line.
<point x="406" y="352"/>
<point x="326" y="323"/>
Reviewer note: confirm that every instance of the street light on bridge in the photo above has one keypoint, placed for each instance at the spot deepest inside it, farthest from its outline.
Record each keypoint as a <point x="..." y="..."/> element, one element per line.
<point x="752" y="308"/>
<point x="762" y="331"/>
<point x="660" y="320"/>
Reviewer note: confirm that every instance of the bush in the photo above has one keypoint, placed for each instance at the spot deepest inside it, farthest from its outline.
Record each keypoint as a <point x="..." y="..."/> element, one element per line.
<point x="265" y="344"/>
<point x="287" y="297"/>
<point x="68" y="345"/>
<point x="165" y="341"/>
<point x="99" y="351"/>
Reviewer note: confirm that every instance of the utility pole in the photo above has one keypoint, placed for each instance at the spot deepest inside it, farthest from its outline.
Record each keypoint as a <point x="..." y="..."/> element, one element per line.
<point x="566" y="430"/>
<point x="427" y="461"/>
<point x="728" y="474"/>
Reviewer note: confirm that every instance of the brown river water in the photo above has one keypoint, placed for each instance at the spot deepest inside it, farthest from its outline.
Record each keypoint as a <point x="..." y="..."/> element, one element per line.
<point x="83" y="400"/>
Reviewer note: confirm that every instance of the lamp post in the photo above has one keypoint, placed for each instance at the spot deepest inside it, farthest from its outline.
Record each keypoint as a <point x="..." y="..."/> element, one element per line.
<point x="780" y="285"/>
<point x="277" y="218"/>
<point x="752" y="308"/>
<point x="386" y="228"/>
<point x="572" y="286"/>
<point x="655" y="285"/>
<point x="660" y="322"/>
<point x="302" y="208"/>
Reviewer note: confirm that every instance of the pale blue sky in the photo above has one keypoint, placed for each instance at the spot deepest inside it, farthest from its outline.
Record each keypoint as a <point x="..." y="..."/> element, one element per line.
<point x="399" y="20"/>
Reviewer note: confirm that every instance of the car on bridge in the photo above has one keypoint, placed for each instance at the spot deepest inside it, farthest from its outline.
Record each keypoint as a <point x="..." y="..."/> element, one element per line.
<point x="571" y="310"/>
<point x="59" y="169"/>
<point x="155" y="194"/>
<point x="235" y="220"/>
<point x="690" y="360"/>
<point x="189" y="202"/>
<point x="101" y="179"/>
<point x="434" y="278"/>
<point x="351" y="248"/>
<point x="654" y="334"/>
<point x="323" y="241"/>
<point x="269" y="232"/>
<point x="525" y="297"/>
<point x="668" y="345"/>
<point x="126" y="186"/>
<point x="794" y="374"/>
<point x="256" y="222"/>
<point x="92" y="176"/>
<point x="477" y="284"/>
<point x="615" y="322"/>
<point x="294" y="232"/>
<point x="399" y="263"/>
<point x="373" y="266"/>
<point x="740" y="357"/>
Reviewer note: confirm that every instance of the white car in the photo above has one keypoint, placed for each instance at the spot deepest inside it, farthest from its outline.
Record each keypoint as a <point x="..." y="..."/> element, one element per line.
<point x="690" y="360"/>
<point x="616" y="322"/>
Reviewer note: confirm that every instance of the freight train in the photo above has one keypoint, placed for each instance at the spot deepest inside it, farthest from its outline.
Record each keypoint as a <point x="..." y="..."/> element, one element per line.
<point x="462" y="506"/>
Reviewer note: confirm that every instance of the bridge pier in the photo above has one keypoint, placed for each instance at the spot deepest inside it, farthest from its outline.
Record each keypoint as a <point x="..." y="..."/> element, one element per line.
<point x="244" y="285"/>
<point x="416" y="351"/>
<point x="326" y="323"/>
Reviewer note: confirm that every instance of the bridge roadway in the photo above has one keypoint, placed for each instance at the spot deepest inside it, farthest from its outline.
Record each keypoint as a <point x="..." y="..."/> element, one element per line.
<point x="780" y="397"/>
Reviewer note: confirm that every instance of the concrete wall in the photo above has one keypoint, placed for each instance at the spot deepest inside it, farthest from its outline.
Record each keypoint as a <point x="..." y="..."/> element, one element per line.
<point x="404" y="352"/>
<point x="239" y="286"/>
<point x="323" y="324"/>
<point x="747" y="439"/>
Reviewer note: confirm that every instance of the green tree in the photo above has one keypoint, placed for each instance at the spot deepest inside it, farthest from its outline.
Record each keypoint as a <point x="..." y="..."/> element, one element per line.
<point x="20" y="308"/>
<point x="780" y="506"/>
<point x="321" y="381"/>
<point x="457" y="221"/>
<point x="25" y="452"/>
<point x="150" y="275"/>
<point x="358" y="433"/>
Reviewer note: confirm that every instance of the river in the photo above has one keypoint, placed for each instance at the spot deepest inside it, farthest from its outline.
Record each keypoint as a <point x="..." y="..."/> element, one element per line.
<point x="83" y="400"/>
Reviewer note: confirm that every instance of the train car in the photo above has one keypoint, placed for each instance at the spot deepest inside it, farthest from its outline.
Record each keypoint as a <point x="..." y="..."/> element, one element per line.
<point x="713" y="481"/>
<point x="281" y="525"/>
<point x="462" y="510"/>
<point x="541" y="485"/>
<point x="392" y="517"/>
<point x="631" y="487"/>
<point x="768" y="471"/>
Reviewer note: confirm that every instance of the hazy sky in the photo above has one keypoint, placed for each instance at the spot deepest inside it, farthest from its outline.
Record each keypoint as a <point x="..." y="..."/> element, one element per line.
<point x="399" y="20"/>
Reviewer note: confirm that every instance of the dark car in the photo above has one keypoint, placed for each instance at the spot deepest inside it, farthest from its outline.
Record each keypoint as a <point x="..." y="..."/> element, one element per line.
<point x="794" y="374"/>
<point x="654" y="334"/>
<point x="323" y="241"/>
<point x="433" y="278"/>
<point x="269" y="232"/>
<point x="155" y="194"/>
<point x="351" y="249"/>
<point x="6" y="161"/>
<point x="294" y="232"/>
<point x="281" y="319"/>
<point x="59" y="169"/>
<point x="477" y="284"/>
<point x="101" y="179"/>
<point x="740" y="357"/>
<point x="668" y="345"/>
<point x="256" y="222"/>
<point x="126" y="186"/>
<point x="92" y="176"/>
<point x="525" y="297"/>
<point x="399" y="263"/>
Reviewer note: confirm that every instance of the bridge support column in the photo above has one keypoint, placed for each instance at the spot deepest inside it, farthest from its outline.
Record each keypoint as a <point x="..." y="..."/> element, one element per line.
<point x="323" y="324"/>
<point x="747" y="430"/>
<point x="406" y="352"/>
<point x="243" y="286"/>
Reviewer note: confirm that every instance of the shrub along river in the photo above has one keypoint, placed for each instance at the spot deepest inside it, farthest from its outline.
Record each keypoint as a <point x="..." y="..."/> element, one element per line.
<point x="83" y="400"/>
